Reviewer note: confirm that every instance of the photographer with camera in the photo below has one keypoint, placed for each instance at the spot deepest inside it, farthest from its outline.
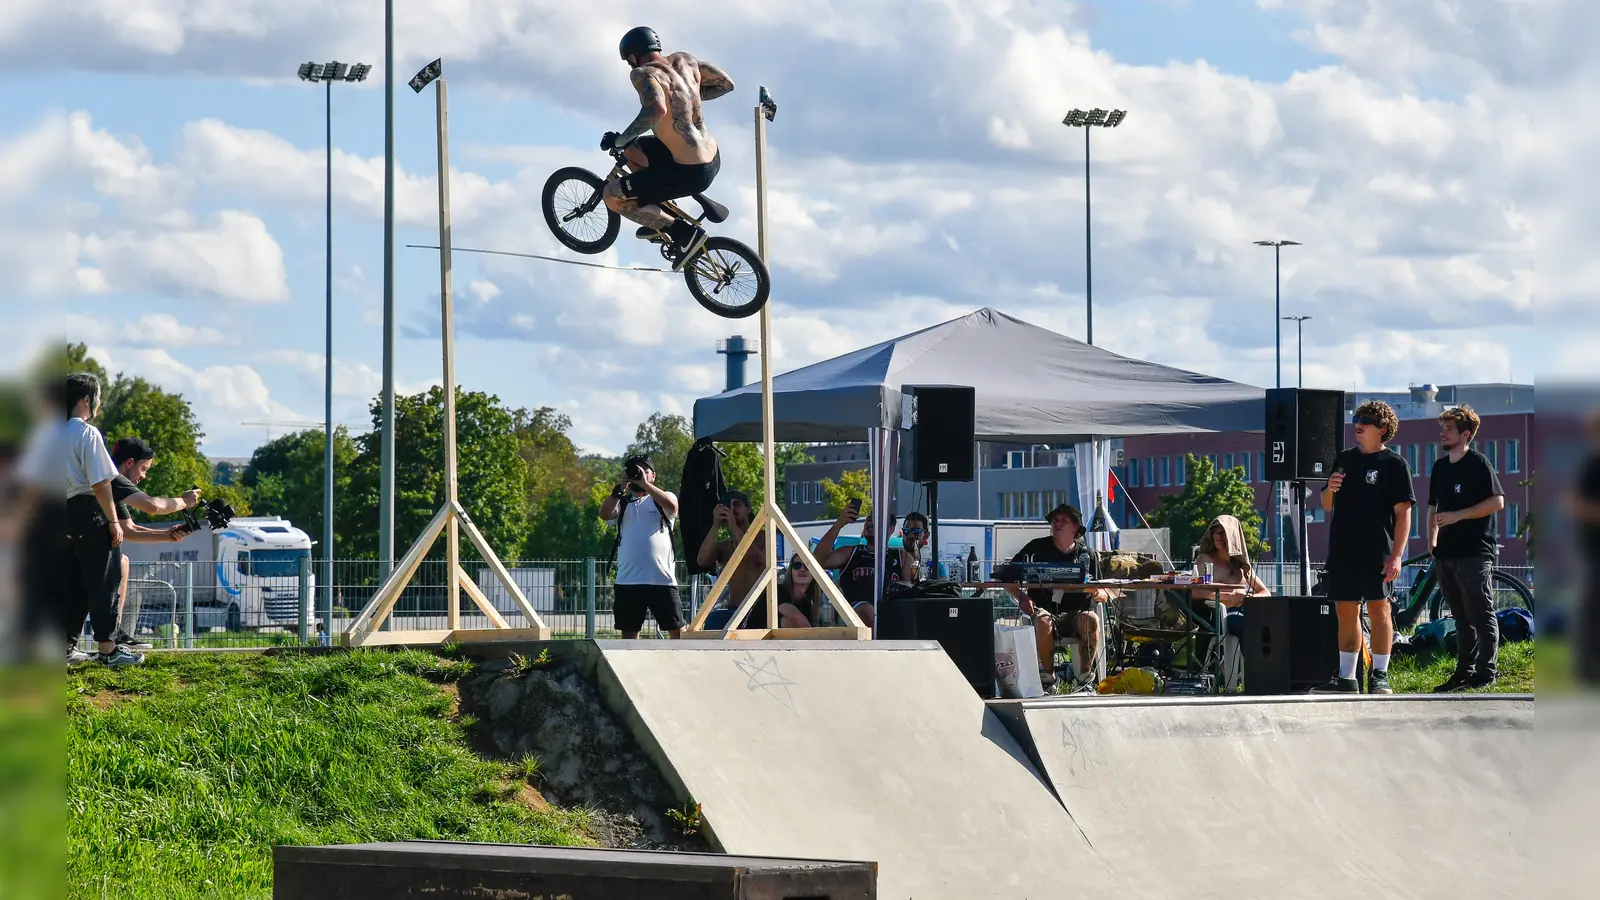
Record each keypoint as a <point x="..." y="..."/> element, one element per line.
<point x="646" y="579"/>
<point x="133" y="459"/>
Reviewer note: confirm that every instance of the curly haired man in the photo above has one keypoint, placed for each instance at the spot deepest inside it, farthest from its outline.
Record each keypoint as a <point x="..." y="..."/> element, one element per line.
<point x="1369" y="498"/>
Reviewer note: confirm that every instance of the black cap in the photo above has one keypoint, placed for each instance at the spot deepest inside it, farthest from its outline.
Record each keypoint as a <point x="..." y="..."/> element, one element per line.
<point x="1069" y="510"/>
<point x="638" y="459"/>
<point x="638" y="42"/>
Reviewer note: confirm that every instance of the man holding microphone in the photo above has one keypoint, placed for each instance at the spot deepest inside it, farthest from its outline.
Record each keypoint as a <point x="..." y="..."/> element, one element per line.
<point x="1369" y="499"/>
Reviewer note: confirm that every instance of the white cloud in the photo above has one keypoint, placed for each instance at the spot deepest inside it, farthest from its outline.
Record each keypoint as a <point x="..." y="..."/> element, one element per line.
<point x="1417" y="169"/>
<point x="234" y="258"/>
<point x="156" y="330"/>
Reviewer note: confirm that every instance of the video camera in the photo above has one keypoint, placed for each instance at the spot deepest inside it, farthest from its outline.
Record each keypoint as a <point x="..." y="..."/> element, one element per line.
<point x="217" y="512"/>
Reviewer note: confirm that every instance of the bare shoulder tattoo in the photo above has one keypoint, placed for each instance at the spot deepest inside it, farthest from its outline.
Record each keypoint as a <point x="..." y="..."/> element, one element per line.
<point x="714" y="82"/>
<point x="652" y="102"/>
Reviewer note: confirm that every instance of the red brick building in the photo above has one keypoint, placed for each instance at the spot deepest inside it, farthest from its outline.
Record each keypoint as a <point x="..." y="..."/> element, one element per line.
<point x="1154" y="465"/>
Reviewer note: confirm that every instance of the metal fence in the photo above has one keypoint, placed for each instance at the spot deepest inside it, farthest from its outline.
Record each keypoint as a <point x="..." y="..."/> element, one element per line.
<point x="198" y="604"/>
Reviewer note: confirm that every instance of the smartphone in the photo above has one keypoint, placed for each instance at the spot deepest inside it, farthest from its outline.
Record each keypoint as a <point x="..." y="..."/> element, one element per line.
<point x="855" y="505"/>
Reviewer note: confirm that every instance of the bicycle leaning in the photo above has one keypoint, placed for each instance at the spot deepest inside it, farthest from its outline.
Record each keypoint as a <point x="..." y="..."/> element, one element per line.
<point x="725" y="275"/>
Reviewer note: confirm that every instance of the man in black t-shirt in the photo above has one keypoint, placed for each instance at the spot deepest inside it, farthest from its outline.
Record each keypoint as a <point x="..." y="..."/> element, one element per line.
<point x="1068" y="614"/>
<point x="1369" y="497"/>
<point x="1463" y="493"/>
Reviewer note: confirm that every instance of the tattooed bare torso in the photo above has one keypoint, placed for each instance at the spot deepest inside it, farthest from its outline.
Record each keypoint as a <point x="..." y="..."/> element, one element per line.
<point x="679" y="82"/>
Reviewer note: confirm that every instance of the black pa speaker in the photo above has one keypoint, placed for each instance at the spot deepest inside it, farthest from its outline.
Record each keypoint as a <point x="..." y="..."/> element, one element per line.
<point x="1291" y="644"/>
<point x="963" y="626"/>
<point x="942" y="421"/>
<point x="1304" y="428"/>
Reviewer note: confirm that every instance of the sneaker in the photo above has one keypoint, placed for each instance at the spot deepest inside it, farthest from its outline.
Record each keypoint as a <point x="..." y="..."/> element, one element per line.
<point x="120" y="657"/>
<point x="1478" y="682"/>
<point x="1086" y="684"/>
<point x="688" y="248"/>
<point x="1338" y="686"/>
<point x="1456" y="683"/>
<point x="646" y="233"/>
<point x="77" y="655"/>
<point x="125" y="639"/>
<point x="1378" y="683"/>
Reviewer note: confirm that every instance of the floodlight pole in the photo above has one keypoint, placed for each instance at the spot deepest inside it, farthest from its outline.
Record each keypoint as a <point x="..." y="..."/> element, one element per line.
<point x="328" y="74"/>
<point x="386" y="426"/>
<point x="1299" y="348"/>
<point x="1277" y="327"/>
<point x="1086" y="120"/>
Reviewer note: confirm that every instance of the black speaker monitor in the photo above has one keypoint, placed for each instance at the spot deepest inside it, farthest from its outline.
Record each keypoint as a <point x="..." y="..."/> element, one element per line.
<point x="963" y="626"/>
<point x="942" y="421"/>
<point x="1290" y="645"/>
<point x="1304" y="429"/>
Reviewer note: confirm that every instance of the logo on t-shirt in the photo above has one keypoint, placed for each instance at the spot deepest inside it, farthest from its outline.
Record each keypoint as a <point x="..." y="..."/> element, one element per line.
<point x="1458" y="488"/>
<point x="1372" y="476"/>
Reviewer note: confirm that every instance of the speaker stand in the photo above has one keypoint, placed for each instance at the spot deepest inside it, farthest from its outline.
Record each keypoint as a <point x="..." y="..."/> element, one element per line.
<point x="933" y="524"/>
<point x="1299" y="488"/>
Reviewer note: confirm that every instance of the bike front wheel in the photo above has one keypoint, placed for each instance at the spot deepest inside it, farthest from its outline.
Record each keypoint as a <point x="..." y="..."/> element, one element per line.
<point x="728" y="278"/>
<point x="576" y="212"/>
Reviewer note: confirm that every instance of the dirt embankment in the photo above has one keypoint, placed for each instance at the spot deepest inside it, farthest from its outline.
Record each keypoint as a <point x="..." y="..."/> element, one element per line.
<point x="587" y="759"/>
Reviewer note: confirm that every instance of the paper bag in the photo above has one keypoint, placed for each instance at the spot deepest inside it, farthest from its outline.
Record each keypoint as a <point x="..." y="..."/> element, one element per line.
<point x="1016" y="662"/>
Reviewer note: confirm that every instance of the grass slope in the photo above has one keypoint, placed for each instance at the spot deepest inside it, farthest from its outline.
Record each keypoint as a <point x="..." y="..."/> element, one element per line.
<point x="183" y="773"/>
<point x="1421" y="674"/>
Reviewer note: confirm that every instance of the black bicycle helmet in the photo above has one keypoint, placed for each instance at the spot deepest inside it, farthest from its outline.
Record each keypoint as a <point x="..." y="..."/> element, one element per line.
<point x="638" y="42"/>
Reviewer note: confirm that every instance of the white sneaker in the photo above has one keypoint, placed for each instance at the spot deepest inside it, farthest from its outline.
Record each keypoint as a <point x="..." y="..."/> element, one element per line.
<point x="76" y="655"/>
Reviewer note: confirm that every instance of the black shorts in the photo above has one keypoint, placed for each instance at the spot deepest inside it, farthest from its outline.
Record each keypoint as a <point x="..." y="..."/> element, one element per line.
<point x="1065" y="616"/>
<point x="1347" y="583"/>
<point x="660" y="600"/>
<point x="666" y="178"/>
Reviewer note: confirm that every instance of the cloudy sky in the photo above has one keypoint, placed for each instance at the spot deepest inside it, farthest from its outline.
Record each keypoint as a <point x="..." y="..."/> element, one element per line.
<point x="163" y="172"/>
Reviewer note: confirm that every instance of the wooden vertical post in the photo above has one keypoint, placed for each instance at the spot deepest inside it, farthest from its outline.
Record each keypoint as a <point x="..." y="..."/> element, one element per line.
<point x="768" y="444"/>
<point x="447" y="323"/>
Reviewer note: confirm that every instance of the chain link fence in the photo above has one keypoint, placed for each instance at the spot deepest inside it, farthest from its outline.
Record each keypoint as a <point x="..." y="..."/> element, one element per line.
<point x="200" y="604"/>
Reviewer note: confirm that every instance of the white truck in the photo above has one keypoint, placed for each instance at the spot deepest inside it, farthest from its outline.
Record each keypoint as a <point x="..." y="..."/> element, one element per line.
<point x="246" y="576"/>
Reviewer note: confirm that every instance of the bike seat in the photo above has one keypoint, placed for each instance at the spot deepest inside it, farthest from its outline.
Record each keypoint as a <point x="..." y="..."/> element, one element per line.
<point x="715" y="212"/>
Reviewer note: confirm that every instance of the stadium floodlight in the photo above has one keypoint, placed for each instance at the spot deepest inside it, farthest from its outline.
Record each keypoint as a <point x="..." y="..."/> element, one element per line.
<point x="1087" y="119"/>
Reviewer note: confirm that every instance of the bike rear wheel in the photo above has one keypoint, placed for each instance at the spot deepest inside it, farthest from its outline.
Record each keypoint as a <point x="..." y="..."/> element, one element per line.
<point x="728" y="278"/>
<point x="576" y="212"/>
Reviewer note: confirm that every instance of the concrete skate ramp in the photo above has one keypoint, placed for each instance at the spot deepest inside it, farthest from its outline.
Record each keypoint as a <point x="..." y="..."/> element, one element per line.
<point x="1324" y="797"/>
<point x="877" y="752"/>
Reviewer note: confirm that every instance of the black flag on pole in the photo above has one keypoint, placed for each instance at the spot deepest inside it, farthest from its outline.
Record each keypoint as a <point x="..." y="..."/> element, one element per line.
<point x="427" y="75"/>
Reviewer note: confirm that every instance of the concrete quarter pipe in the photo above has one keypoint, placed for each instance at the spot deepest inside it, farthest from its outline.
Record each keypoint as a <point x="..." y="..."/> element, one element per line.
<point x="1306" y="797"/>
<point x="881" y="752"/>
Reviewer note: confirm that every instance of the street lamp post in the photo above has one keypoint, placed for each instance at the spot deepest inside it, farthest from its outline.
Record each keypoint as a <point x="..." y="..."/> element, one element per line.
<point x="1299" y="348"/>
<point x="1277" y="327"/>
<point x="328" y="73"/>
<point x="1087" y="119"/>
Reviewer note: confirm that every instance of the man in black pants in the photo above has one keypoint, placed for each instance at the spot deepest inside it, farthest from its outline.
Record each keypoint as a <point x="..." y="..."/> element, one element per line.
<point x="1369" y="497"/>
<point x="94" y="532"/>
<point x="1464" y="492"/>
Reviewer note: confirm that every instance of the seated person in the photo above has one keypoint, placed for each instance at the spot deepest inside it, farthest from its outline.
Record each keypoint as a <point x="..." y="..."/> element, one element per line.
<point x="856" y="564"/>
<point x="735" y="516"/>
<point x="1223" y="546"/>
<point x="800" y="600"/>
<point x="1063" y="614"/>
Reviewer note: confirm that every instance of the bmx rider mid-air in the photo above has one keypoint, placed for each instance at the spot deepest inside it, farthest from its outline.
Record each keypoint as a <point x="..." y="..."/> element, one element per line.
<point x="681" y="158"/>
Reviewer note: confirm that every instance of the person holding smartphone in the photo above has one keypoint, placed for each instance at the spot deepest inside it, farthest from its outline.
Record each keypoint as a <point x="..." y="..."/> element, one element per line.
<point x="1369" y="499"/>
<point x="857" y="564"/>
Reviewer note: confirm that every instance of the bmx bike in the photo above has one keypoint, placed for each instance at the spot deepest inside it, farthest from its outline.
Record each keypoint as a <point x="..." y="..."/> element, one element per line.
<point x="724" y="275"/>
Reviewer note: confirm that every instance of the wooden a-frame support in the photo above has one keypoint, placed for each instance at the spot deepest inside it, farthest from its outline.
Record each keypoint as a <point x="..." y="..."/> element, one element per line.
<point x="451" y="519"/>
<point x="769" y="520"/>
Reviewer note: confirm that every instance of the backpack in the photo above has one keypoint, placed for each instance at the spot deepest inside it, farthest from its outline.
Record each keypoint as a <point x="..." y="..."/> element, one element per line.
<point x="616" y="543"/>
<point x="1516" y="625"/>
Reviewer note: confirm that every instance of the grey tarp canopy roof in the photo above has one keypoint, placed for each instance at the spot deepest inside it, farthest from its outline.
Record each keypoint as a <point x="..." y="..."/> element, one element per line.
<point x="1031" y="383"/>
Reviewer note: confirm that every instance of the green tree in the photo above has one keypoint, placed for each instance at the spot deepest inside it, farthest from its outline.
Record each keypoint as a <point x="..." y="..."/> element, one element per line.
<point x="285" y="478"/>
<point x="667" y="441"/>
<point x="743" y="467"/>
<point x="137" y="408"/>
<point x="853" y="483"/>
<point x="492" y="477"/>
<point x="1208" y="494"/>
<point x="552" y="458"/>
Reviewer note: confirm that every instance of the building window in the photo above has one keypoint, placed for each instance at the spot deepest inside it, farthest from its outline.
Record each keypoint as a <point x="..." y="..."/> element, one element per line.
<point x="1183" y="471"/>
<point x="1166" y="471"/>
<point x="1513" y="519"/>
<point x="1513" y="456"/>
<point x="1150" y="471"/>
<point x="1489" y="450"/>
<point x="1227" y="462"/>
<point x="1244" y="465"/>
<point x="1416" y="524"/>
<point x="1411" y="457"/>
<point x="1261" y="466"/>
<point x="1133" y="473"/>
<point x="1213" y="458"/>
